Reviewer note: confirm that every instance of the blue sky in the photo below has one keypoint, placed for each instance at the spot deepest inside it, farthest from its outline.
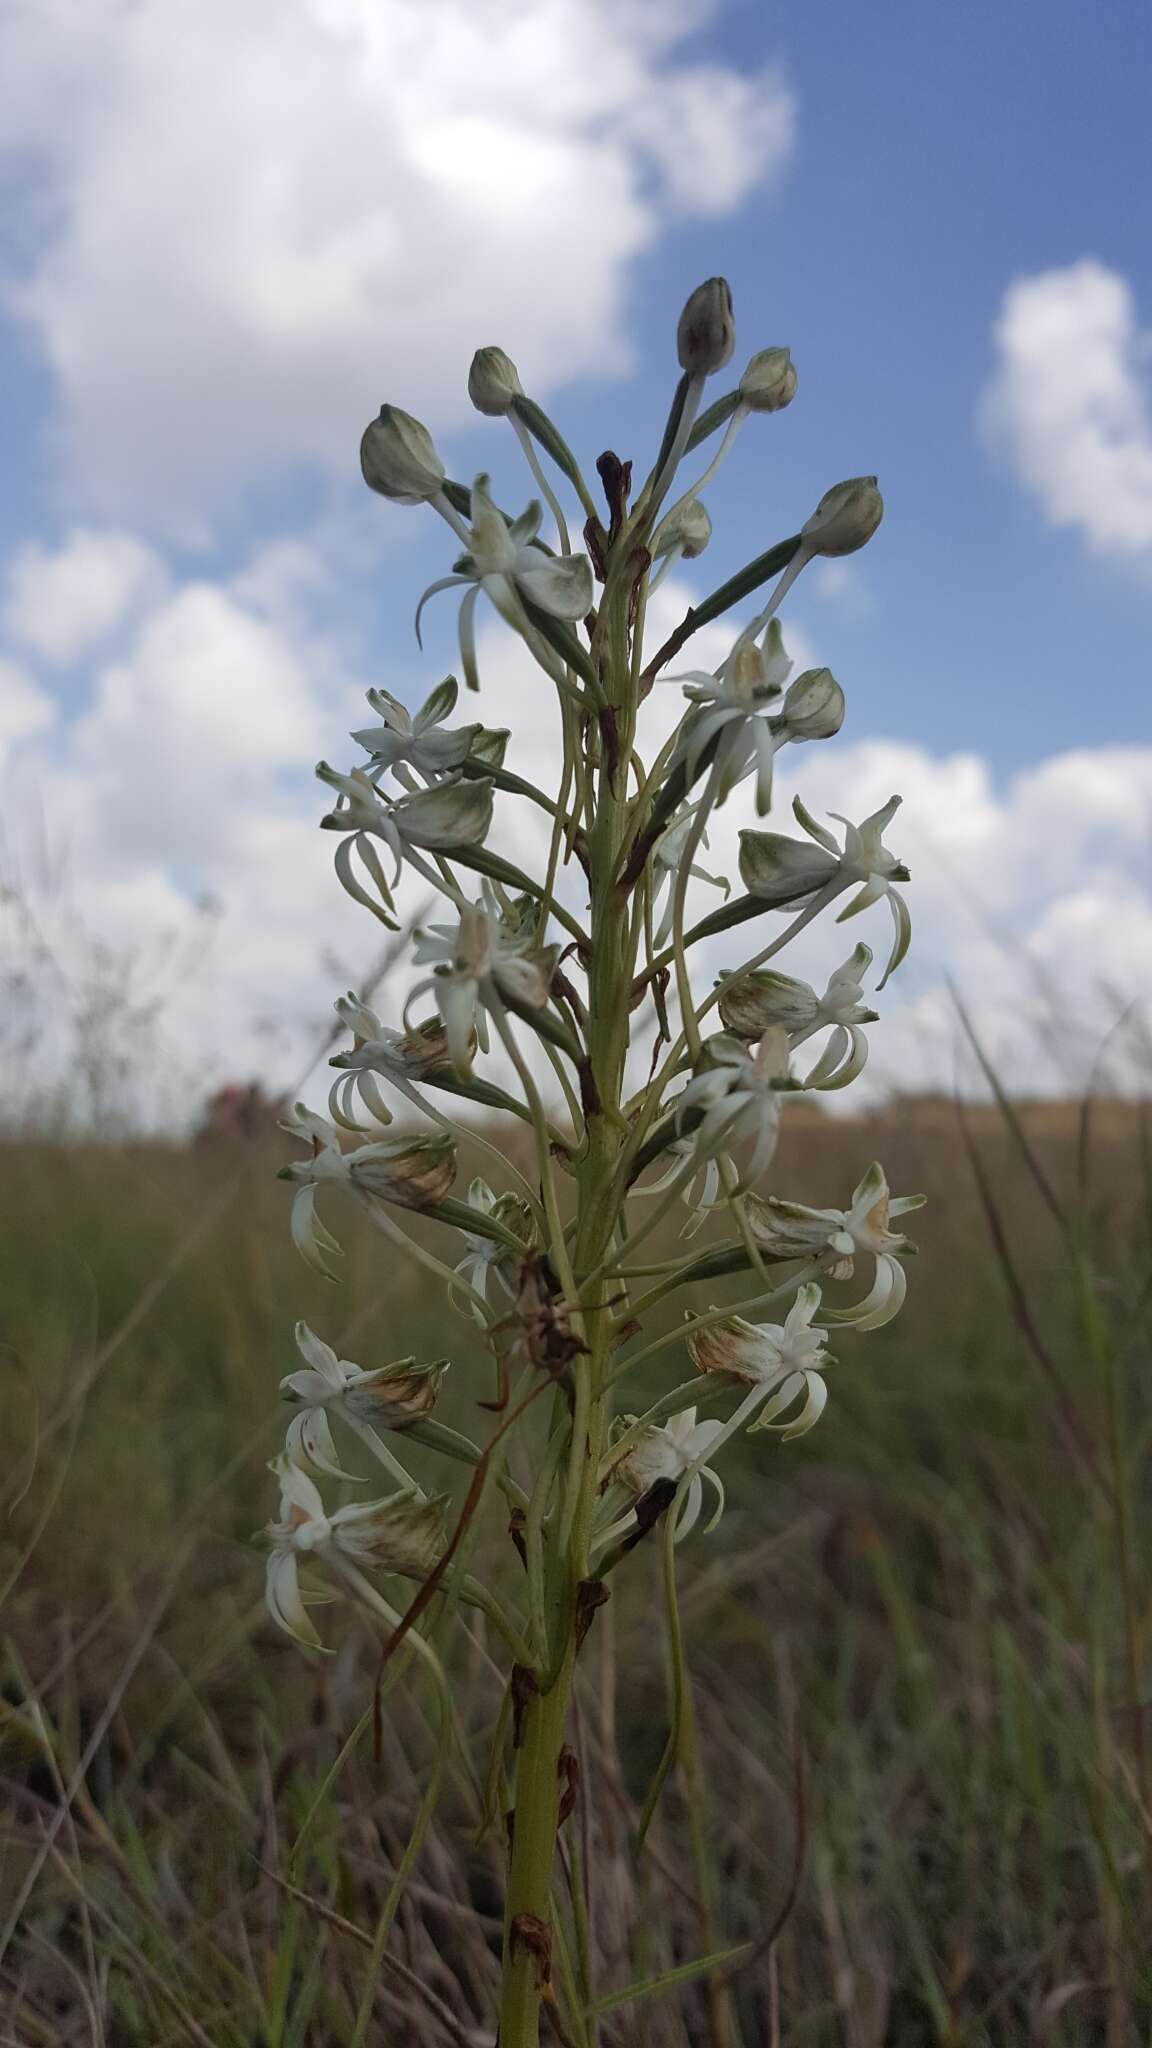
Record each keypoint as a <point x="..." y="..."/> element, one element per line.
<point x="205" y="287"/>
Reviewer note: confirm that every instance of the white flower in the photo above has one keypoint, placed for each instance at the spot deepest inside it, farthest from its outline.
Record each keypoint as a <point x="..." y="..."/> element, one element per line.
<point x="701" y="1192"/>
<point x="780" y="1363"/>
<point x="788" y="870"/>
<point x="400" y="1057"/>
<point x="490" y="1261"/>
<point x="471" y="961"/>
<point x="392" y="1396"/>
<point x="739" y="1094"/>
<point x="422" y="741"/>
<point x="411" y="1170"/>
<point x="728" y="714"/>
<point x="684" y="532"/>
<point x="842" y="1007"/>
<point x="664" y="1454"/>
<point x="667" y="859"/>
<point x="503" y="563"/>
<point x="837" y="1237"/>
<point x="456" y="812"/>
<point x="751" y="1004"/>
<point x="403" y="1533"/>
<point x="668" y="1453"/>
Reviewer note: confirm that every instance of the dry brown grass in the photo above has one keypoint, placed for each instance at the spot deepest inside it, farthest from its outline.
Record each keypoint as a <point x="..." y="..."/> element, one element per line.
<point x="930" y="1613"/>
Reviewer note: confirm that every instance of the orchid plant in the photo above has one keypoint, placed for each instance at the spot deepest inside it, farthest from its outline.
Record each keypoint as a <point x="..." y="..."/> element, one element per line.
<point x="568" y="1001"/>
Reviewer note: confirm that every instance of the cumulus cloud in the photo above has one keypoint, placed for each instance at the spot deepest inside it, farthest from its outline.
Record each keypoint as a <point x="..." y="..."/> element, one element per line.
<point x="1032" y="894"/>
<point x="24" y="707"/>
<point x="63" y="601"/>
<point x="256" y="218"/>
<point x="1070" y="403"/>
<point x="181" y="814"/>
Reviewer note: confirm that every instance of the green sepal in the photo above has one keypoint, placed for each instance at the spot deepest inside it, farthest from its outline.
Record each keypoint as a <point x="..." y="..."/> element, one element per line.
<point x="717" y="415"/>
<point x="551" y="440"/>
<point x="462" y="1216"/>
<point x="745" y="581"/>
<point x="739" y="912"/>
<point x="474" y="1090"/>
<point x="675" y="415"/>
<point x="484" y="862"/>
<point x="436" y="1436"/>
<point x="514" y="785"/>
<point x="545" y="1025"/>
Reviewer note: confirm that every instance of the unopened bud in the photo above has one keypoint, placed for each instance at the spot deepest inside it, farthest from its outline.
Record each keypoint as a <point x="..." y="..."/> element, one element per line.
<point x="395" y="1394"/>
<point x="398" y="458"/>
<point x="813" y="707"/>
<point x="414" y="1172"/>
<point x="706" y="335"/>
<point x="493" y="382"/>
<point x="404" y="1533"/>
<point x="845" y="519"/>
<point x="687" y="528"/>
<point x="727" y="1347"/>
<point x="769" y="382"/>
<point x="755" y="1003"/>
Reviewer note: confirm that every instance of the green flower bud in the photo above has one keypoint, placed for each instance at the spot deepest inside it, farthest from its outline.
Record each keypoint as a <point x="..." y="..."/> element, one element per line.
<point x="845" y="519"/>
<point x="687" y="528"/>
<point x="415" y="1172"/>
<point x="813" y="707"/>
<point x="490" y="745"/>
<point x="769" y="382"/>
<point x="756" y="1002"/>
<point x="456" y="813"/>
<point x="493" y="382"/>
<point x="398" y="458"/>
<point x="401" y="1534"/>
<point x="706" y="334"/>
<point x="781" y="869"/>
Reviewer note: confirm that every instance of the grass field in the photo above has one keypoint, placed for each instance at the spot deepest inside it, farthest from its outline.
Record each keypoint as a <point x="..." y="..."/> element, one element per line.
<point x="918" y="1641"/>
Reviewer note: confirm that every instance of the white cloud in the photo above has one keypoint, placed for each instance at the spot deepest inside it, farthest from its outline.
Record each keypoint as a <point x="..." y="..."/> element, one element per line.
<point x="61" y="602"/>
<point x="187" y="780"/>
<point x="257" y="218"/>
<point x="1070" y="403"/>
<point x="24" y="707"/>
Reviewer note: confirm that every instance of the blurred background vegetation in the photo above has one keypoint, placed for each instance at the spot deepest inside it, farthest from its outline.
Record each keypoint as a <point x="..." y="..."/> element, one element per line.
<point x="917" y="1640"/>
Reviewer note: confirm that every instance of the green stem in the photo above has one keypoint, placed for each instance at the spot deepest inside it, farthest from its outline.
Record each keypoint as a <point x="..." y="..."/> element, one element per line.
<point x="529" y="1926"/>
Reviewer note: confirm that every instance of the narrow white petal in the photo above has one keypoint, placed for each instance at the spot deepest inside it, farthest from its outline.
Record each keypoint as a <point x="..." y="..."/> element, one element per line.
<point x="310" y="1444"/>
<point x="314" y="1243"/>
<point x="690" y="1512"/>
<point x="902" y="934"/>
<point x="319" y="1355"/>
<point x="282" y="1594"/>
